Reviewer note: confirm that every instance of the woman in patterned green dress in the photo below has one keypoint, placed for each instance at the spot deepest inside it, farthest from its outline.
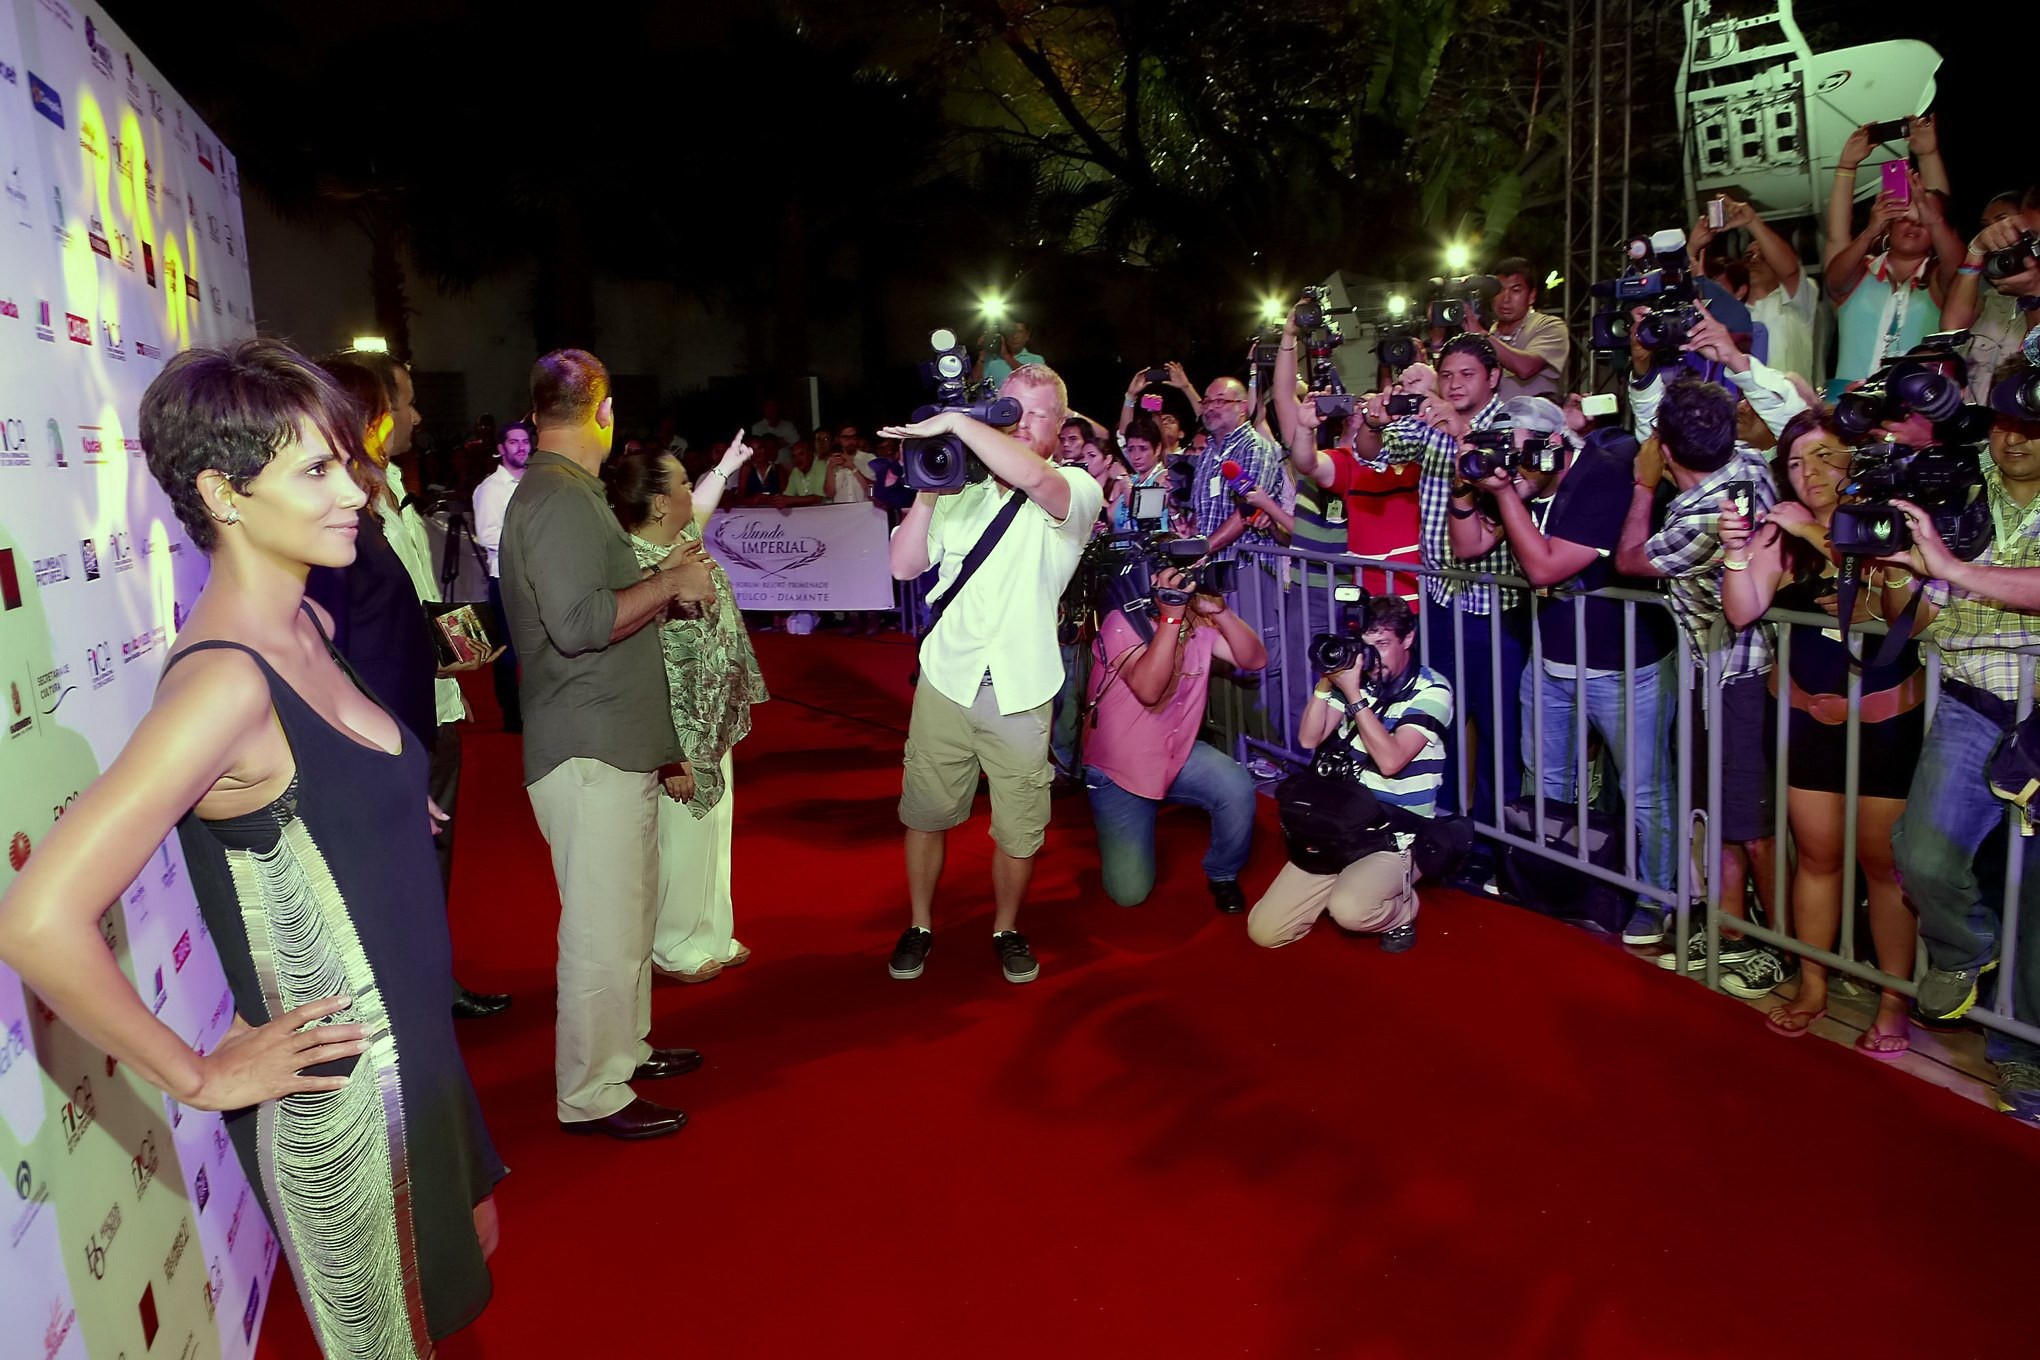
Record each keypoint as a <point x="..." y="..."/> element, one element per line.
<point x="713" y="679"/>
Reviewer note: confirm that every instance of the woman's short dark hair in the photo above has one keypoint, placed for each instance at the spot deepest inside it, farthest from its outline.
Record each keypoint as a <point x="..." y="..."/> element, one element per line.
<point x="230" y="410"/>
<point x="364" y="388"/>
<point x="1144" y="427"/>
<point x="1696" y="424"/>
<point x="632" y="480"/>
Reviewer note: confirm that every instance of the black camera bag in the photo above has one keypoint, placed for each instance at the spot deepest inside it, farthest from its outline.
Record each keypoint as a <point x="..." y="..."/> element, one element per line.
<point x="1555" y="889"/>
<point x="1329" y="818"/>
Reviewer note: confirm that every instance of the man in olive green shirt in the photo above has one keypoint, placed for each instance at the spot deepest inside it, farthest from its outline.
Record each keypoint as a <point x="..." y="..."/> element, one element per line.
<point x="598" y="731"/>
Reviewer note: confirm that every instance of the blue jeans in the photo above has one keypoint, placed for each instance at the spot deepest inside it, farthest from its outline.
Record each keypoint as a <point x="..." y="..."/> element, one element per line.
<point x="1646" y="772"/>
<point x="1473" y="693"/>
<point x="1948" y="812"/>
<point x="1209" y="779"/>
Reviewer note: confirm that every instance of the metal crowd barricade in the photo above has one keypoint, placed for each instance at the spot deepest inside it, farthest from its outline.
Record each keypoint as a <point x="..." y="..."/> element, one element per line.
<point x="1265" y="722"/>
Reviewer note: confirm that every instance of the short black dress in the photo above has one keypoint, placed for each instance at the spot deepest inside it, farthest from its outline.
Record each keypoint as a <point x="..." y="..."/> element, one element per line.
<point x="333" y="890"/>
<point x="1819" y="751"/>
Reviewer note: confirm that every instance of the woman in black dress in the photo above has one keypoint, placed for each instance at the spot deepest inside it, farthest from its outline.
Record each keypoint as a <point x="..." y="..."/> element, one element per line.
<point x="1788" y="562"/>
<point x="300" y="803"/>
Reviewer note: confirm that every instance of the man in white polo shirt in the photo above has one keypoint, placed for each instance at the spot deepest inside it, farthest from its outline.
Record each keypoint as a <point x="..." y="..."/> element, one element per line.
<point x="990" y="667"/>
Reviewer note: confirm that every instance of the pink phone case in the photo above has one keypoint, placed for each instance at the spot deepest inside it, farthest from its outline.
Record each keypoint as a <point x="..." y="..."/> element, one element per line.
<point x="1897" y="183"/>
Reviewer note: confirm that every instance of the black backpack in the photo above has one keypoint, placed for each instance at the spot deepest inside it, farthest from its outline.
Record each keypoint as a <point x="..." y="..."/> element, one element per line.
<point x="1329" y="818"/>
<point x="1556" y="889"/>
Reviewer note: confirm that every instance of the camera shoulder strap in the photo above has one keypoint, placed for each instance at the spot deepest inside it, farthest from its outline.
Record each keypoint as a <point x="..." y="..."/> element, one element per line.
<point x="1900" y="629"/>
<point x="975" y="558"/>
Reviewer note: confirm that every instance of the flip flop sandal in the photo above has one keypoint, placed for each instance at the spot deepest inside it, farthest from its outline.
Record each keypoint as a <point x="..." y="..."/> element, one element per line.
<point x="1867" y="1045"/>
<point x="1792" y="1031"/>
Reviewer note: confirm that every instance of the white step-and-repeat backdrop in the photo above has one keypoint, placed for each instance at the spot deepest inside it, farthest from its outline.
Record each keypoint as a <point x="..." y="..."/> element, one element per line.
<point x="126" y="1227"/>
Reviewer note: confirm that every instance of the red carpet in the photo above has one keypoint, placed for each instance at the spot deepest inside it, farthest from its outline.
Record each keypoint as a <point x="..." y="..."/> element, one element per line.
<point x="1511" y="1142"/>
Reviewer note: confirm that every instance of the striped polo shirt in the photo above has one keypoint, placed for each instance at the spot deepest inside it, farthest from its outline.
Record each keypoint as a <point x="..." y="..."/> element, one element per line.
<point x="1426" y="702"/>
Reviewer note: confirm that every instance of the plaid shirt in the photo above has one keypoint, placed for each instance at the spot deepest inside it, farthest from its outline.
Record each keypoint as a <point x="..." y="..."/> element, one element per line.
<point x="1211" y="501"/>
<point x="1409" y="440"/>
<point x="1688" y="551"/>
<point x="1975" y="635"/>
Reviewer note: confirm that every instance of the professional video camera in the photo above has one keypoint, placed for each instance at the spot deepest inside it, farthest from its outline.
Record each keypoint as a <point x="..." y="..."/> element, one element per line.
<point x="1342" y="648"/>
<point x="1925" y="382"/>
<point x="1117" y="571"/>
<point x="1483" y="453"/>
<point x="1944" y="480"/>
<point x="2018" y="393"/>
<point x="2013" y="260"/>
<point x="944" y="462"/>
<point x="1448" y="300"/>
<point x="1658" y="274"/>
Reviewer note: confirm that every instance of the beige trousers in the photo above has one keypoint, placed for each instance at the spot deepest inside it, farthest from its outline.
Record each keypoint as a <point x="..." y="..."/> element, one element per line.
<point x="696" y="922"/>
<point x="601" y="824"/>
<point x="1371" y="895"/>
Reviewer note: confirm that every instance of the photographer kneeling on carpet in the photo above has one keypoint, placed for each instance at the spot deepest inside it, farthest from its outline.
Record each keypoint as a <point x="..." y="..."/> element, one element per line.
<point x="1354" y="820"/>
<point x="1150" y="673"/>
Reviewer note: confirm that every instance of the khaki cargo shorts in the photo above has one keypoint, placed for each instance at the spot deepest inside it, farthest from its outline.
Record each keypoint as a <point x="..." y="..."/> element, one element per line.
<point x="947" y="744"/>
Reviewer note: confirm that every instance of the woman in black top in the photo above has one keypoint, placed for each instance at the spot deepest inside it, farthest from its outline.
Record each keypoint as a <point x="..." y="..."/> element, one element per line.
<point x="300" y="803"/>
<point x="1788" y="563"/>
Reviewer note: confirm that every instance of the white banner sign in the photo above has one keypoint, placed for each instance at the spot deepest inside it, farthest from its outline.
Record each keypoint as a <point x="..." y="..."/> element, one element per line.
<point x="811" y="557"/>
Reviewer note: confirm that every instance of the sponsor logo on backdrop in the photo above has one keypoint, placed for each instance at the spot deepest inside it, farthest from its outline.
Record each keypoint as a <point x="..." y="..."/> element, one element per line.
<point x="52" y="688"/>
<point x="56" y="434"/>
<point x="192" y="199"/>
<point x="10" y="308"/>
<point x="60" y="225"/>
<point x="234" y="1223"/>
<point x="10" y="581"/>
<point x="144" y="1166"/>
<point x="88" y="554"/>
<point x="60" y="11"/>
<point x="123" y="248"/>
<point x="100" y="658"/>
<point x="97" y="1244"/>
<point x="8" y="74"/>
<point x="177" y="1246"/>
<point x="13" y="442"/>
<point x="170" y="274"/>
<point x="212" y="227"/>
<point x="109" y="338"/>
<point x="92" y="141"/>
<point x="134" y="84"/>
<point x="47" y="101"/>
<point x="123" y="161"/>
<point x="147" y="351"/>
<point x="80" y="329"/>
<point x="149" y="263"/>
<point x="50" y="570"/>
<point x="149" y="178"/>
<point x="102" y="55"/>
<point x="17" y="855"/>
<point x="180" y="951"/>
<point x="91" y="447"/>
<point x="43" y="329"/>
<point x="120" y="546"/>
<point x="77" y="1114"/>
<point x="17" y="194"/>
<point x="220" y="1008"/>
<point x="160" y="997"/>
<point x="63" y="1318"/>
<point x="33" y="1194"/>
<point x="205" y="155"/>
<point x="254" y="1307"/>
<point x="134" y="649"/>
<point x="95" y="232"/>
<point x="215" y="299"/>
<point x="20" y="718"/>
<point x="147" y="1309"/>
<point x="155" y="103"/>
<point x="191" y="288"/>
<point x="230" y="240"/>
<point x="14" y="1047"/>
<point x="134" y="449"/>
<point x="169" y="865"/>
<point x="201" y="1189"/>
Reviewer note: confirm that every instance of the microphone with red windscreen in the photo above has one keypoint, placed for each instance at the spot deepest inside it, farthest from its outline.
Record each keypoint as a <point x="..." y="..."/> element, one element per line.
<point x="1235" y="477"/>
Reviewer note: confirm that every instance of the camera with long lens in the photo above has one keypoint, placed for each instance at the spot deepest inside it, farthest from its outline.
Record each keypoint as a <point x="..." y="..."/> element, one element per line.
<point x="1396" y="345"/>
<point x="2013" y="260"/>
<point x="1918" y="383"/>
<point x="1486" y="452"/>
<point x="1945" y="480"/>
<point x="1342" y="647"/>
<point x="1657" y="274"/>
<point x="944" y="462"/>
<point x="1449" y="301"/>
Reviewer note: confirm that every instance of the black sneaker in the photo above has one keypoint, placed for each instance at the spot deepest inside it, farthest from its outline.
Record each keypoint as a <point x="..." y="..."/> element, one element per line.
<point x="910" y="955"/>
<point x="1226" y="896"/>
<point x="1755" y="974"/>
<point x="1400" y="940"/>
<point x="1016" y="960"/>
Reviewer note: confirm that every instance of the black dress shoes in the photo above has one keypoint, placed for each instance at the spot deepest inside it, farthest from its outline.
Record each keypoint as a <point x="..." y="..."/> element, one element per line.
<point x="469" y="1005"/>
<point x="1226" y="896"/>
<point x="667" y="1062"/>
<point x="638" y="1120"/>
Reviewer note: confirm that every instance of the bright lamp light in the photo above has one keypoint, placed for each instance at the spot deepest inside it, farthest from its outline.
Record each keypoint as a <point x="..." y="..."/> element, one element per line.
<point x="371" y="344"/>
